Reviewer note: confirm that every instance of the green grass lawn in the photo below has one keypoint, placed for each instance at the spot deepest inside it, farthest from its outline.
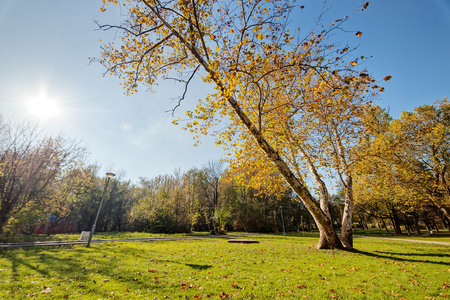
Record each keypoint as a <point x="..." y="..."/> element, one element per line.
<point x="279" y="267"/>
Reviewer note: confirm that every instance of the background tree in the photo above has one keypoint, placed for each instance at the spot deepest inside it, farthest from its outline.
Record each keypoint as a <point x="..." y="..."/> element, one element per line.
<point x="162" y="206"/>
<point x="30" y="164"/>
<point x="405" y="170"/>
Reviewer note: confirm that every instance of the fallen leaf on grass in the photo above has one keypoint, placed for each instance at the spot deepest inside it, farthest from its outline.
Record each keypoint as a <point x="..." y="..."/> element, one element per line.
<point x="358" y="290"/>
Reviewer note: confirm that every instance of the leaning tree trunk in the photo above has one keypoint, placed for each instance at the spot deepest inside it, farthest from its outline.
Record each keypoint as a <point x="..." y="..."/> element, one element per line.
<point x="328" y="237"/>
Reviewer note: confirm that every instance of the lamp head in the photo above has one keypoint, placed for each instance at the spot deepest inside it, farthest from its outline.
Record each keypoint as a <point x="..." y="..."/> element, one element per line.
<point x="110" y="175"/>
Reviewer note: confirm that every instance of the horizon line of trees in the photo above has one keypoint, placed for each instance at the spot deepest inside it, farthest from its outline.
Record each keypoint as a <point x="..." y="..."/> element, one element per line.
<point x="400" y="180"/>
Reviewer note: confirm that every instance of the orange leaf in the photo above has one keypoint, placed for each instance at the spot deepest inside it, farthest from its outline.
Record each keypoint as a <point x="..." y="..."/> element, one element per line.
<point x="365" y="5"/>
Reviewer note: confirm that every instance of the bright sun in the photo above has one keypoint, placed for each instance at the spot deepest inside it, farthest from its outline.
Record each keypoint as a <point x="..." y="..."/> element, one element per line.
<point x="43" y="107"/>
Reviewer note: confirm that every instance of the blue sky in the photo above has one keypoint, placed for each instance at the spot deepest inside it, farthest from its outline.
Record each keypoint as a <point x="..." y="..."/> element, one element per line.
<point x="45" y="47"/>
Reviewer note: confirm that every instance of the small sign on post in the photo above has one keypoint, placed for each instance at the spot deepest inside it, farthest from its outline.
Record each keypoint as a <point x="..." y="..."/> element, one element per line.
<point x="84" y="235"/>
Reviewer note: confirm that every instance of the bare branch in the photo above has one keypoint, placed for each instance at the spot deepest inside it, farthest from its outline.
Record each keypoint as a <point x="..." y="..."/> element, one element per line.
<point x="185" y="90"/>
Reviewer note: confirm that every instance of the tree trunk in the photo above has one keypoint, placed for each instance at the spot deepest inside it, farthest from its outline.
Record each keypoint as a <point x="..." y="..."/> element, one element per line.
<point x="444" y="210"/>
<point x="385" y="226"/>
<point x="436" y="227"/>
<point x="417" y="225"/>
<point x="396" y="223"/>
<point x="408" y="225"/>
<point x="446" y="223"/>
<point x="329" y="238"/>
<point x="324" y="196"/>
<point x="347" y="217"/>
<point x="5" y="208"/>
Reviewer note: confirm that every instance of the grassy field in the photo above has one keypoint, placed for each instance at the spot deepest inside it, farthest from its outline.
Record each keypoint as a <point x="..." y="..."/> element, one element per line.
<point x="278" y="267"/>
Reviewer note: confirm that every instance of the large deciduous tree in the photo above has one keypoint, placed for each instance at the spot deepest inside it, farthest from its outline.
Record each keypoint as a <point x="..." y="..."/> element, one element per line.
<point x="409" y="158"/>
<point x="261" y="67"/>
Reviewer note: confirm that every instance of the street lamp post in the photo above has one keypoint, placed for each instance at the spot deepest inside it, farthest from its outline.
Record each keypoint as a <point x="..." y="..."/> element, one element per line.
<point x="282" y="220"/>
<point x="109" y="175"/>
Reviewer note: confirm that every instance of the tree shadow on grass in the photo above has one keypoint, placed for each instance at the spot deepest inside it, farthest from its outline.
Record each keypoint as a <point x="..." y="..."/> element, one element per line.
<point x="384" y="255"/>
<point x="17" y="258"/>
<point x="95" y="272"/>
<point x="414" y="254"/>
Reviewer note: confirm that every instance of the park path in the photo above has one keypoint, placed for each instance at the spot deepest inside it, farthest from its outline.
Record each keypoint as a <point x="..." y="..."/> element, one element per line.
<point x="404" y="240"/>
<point x="78" y="242"/>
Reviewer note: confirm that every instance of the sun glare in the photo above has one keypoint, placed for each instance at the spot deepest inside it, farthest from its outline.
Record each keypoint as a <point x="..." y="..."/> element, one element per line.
<point x="43" y="107"/>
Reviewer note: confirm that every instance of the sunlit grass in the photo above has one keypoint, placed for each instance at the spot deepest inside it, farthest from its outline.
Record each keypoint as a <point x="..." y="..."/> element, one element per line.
<point x="278" y="267"/>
